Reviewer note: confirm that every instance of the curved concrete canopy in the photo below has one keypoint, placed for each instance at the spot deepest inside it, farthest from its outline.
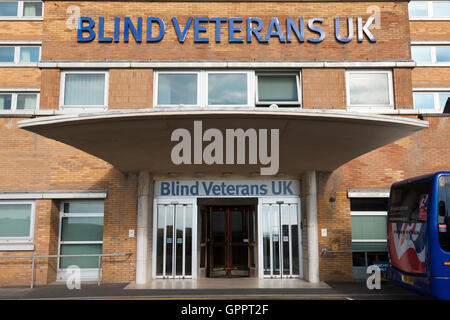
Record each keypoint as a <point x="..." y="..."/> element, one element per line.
<point x="141" y="139"/>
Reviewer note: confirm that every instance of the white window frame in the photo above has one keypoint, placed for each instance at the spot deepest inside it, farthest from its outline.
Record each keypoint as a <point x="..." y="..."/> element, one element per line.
<point x="170" y="72"/>
<point x="298" y="82"/>
<point x="15" y="92"/>
<point x="86" y="273"/>
<point x="78" y="108"/>
<point x="435" y="92"/>
<point x="432" y="46"/>
<point x="20" y="15"/>
<point x="20" y="243"/>
<point x="17" y="45"/>
<point x="250" y="88"/>
<point x="370" y="107"/>
<point x="202" y="88"/>
<point x="430" y="12"/>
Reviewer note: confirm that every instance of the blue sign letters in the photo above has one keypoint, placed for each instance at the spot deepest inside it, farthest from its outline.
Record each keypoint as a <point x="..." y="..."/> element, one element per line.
<point x="254" y="28"/>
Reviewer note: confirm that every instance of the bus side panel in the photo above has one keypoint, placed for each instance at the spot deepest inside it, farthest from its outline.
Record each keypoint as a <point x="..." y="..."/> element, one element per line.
<point x="439" y="258"/>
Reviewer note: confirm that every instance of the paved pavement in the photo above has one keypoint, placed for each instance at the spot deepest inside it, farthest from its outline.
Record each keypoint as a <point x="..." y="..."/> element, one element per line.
<point x="334" y="291"/>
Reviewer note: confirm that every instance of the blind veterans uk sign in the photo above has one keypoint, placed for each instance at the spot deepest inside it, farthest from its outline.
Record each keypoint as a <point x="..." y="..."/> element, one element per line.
<point x="239" y="29"/>
<point x="234" y="188"/>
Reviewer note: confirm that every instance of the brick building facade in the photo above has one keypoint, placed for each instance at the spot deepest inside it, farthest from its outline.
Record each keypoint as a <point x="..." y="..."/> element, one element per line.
<point x="61" y="153"/>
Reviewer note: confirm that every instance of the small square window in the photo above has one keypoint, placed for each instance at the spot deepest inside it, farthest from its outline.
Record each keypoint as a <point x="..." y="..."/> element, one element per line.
<point x="26" y="101"/>
<point x="29" y="54"/>
<point x="32" y="9"/>
<point x="227" y="89"/>
<point x="16" y="222"/>
<point x="8" y="9"/>
<point x="441" y="8"/>
<point x="177" y="89"/>
<point x="423" y="100"/>
<point x="370" y="88"/>
<point x="7" y="54"/>
<point x="278" y="88"/>
<point x="421" y="53"/>
<point x="5" y="101"/>
<point x="443" y="99"/>
<point x="418" y="9"/>
<point x="84" y="89"/>
<point x="442" y="54"/>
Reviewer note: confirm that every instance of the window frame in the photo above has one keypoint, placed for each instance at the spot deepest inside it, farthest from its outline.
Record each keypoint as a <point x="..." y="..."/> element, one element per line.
<point x="14" y="243"/>
<point x="370" y="107"/>
<point x="369" y="214"/>
<point x="430" y="12"/>
<point x="15" y="92"/>
<point x="432" y="46"/>
<point x="435" y="92"/>
<point x="252" y="83"/>
<point x="77" y="108"/>
<point x="250" y="88"/>
<point x="89" y="273"/>
<point x="171" y="72"/>
<point x="17" y="49"/>
<point x="298" y="86"/>
<point x="20" y="8"/>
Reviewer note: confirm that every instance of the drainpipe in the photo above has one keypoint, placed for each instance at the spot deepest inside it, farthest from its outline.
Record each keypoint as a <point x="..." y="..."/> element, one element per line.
<point x="143" y="219"/>
<point x="311" y="222"/>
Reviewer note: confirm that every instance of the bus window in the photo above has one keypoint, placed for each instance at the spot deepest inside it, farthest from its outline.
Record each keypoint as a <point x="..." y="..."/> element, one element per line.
<point x="444" y="212"/>
<point x="409" y="203"/>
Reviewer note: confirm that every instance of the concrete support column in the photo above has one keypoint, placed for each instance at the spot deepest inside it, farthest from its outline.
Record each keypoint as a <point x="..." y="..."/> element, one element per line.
<point x="309" y="180"/>
<point x="144" y="225"/>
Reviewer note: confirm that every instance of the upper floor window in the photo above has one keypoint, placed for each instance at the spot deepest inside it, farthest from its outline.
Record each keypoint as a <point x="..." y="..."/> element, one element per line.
<point x="422" y="10"/>
<point x="369" y="88"/>
<point x="226" y="88"/>
<point x="26" y="10"/>
<point x="16" y="101"/>
<point x="16" y="223"/>
<point x="19" y="55"/>
<point x="429" y="100"/>
<point x="431" y="54"/>
<point x="84" y="89"/>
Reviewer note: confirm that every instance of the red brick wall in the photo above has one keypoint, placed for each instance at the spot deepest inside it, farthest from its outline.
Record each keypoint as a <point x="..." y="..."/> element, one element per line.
<point x="60" y="43"/>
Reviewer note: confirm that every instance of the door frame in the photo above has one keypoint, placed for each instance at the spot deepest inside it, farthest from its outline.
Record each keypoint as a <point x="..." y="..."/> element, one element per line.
<point x="228" y="243"/>
<point x="177" y="201"/>
<point x="278" y="200"/>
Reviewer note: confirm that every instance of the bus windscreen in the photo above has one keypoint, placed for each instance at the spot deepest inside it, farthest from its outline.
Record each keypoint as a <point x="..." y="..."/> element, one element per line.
<point x="407" y="226"/>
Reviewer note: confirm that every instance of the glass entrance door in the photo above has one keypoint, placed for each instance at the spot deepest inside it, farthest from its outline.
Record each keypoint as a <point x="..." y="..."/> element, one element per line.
<point x="280" y="239"/>
<point x="229" y="241"/>
<point x="174" y="240"/>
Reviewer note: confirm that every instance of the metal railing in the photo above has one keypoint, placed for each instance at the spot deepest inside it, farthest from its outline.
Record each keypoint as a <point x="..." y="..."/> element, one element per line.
<point x="100" y="260"/>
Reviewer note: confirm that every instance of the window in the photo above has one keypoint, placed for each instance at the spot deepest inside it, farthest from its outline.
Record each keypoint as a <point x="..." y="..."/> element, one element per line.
<point x="178" y="89"/>
<point x="430" y="54"/>
<point x="369" y="233"/>
<point x="16" y="225"/>
<point x="431" y="101"/>
<point x="215" y="88"/>
<point x="422" y="10"/>
<point x="24" y="10"/>
<point x="81" y="232"/>
<point x="280" y="89"/>
<point x="82" y="89"/>
<point x="369" y="88"/>
<point x="19" y="55"/>
<point x="227" y="89"/>
<point x="14" y="101"/>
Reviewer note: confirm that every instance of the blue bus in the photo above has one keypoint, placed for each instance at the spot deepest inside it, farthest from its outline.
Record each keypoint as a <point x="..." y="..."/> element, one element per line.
<point x="419" y="234"/>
